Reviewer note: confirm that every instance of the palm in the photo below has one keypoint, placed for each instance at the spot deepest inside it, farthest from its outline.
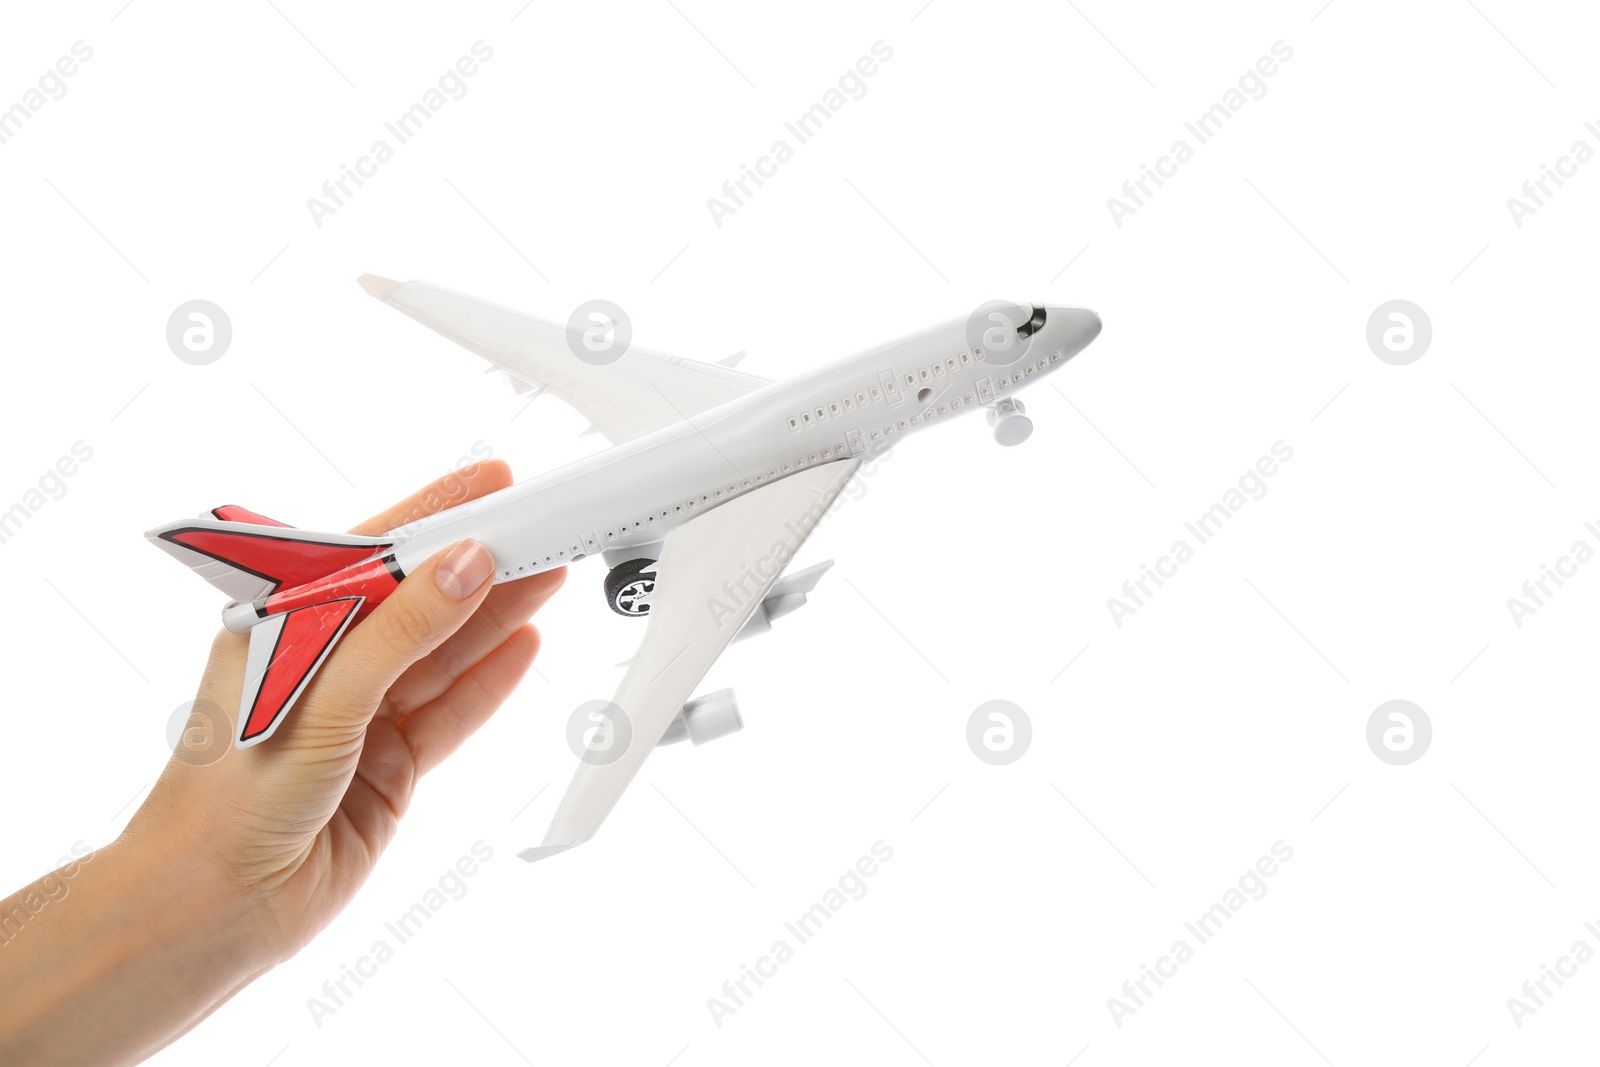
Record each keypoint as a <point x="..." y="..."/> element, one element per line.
<point x="310" y="811"/>
<point x="356" y="787"/>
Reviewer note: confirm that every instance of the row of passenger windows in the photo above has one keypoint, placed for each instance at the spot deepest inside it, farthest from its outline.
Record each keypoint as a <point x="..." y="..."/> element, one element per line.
<point x="592" y="544"/>
<point x="827" y="453"/>
<point x="939" y="368"/>
<point x="862" y="399"/>
<point x="837" y="407"/>
<point x="920" y="417"/>
<point x="1016" y="377"/>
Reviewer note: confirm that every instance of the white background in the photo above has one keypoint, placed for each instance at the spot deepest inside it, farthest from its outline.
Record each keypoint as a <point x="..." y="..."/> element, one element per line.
<point x="1227" y="714"/>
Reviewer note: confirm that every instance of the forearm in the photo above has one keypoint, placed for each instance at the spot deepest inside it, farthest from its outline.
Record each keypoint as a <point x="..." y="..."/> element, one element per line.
<point x="113" y="961"/>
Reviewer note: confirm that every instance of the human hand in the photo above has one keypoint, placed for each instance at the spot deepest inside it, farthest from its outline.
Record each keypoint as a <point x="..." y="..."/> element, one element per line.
<point x="231" y="866"/>
<point x="299" y="822"/>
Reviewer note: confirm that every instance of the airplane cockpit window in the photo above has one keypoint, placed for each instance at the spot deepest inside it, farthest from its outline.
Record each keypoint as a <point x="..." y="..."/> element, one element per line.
<point x="1033" y="325"/>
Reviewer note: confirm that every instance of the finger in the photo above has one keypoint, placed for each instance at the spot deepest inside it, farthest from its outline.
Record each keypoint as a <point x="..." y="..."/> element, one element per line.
<point x="220" y="684"/>
<point x="506" y="608"/>
<point x="438" y="729"/>
<point x="380" y="792"/>
<point x="457" y="487"/>
<point x="430" y="605"/>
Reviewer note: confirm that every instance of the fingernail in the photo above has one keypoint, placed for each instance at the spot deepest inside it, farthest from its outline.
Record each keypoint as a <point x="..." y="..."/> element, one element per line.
<point x="463" y="570"/>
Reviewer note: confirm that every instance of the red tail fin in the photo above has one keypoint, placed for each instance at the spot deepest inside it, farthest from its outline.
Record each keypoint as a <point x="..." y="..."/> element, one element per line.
<point x="285" y="651"/>
<point x="306" y="592"/>
<point x="288" y="561"/>
<point x="249" y="556"/>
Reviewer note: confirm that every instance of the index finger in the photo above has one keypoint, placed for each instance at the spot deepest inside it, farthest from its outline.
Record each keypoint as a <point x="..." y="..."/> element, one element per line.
<point x="457" y="487"/>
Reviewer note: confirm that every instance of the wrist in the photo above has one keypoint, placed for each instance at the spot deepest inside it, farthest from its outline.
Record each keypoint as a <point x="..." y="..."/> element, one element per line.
<point x="180" y="844"/>
<point x="120" y="953"/>
<point x="188" y="914"/>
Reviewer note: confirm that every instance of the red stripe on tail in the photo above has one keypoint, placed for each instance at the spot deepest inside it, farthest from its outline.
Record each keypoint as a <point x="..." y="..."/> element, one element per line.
<point x="372" y="582"/>
<point x="286" y="561"/>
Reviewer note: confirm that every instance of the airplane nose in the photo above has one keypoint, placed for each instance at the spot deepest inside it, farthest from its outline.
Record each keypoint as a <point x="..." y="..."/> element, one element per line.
<point x="1082" y="327"/>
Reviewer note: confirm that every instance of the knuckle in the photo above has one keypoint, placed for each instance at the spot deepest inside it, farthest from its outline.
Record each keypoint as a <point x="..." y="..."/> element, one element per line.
<point x="407" y="626"/>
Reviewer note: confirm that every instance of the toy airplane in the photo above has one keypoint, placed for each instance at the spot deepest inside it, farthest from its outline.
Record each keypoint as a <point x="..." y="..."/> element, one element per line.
<point x="713" y="481"/>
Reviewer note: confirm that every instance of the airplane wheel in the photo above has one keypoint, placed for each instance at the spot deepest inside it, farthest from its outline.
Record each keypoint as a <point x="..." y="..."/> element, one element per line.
<point x="629" y="586"/>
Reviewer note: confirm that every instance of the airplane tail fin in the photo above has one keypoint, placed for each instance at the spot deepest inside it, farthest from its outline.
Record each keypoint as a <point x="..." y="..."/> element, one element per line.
<point x="305" y="589"/>
<point x="249" y="556"/>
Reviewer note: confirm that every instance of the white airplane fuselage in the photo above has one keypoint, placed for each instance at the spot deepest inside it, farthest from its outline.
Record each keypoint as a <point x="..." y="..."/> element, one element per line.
<point x="621" y="503"/>
<point x="632" y="495"/>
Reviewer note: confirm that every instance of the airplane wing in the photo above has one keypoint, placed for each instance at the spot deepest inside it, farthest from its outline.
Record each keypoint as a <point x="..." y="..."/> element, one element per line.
<point x="713" y="573"/>
<point x="624" y="398"/>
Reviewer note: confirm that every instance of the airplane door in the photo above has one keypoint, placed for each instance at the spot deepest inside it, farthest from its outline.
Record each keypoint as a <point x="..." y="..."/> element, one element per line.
<point x="891" y="393"/>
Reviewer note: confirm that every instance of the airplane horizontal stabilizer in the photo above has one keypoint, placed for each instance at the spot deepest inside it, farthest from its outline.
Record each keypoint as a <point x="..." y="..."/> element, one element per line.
<point x="285" y="651"/>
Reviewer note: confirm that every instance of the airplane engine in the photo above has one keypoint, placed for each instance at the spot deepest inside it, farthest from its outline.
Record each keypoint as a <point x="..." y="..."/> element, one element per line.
<point x="788" y="595"/>
<point x="705" y="719"/>
<point x="1011" y="426"/>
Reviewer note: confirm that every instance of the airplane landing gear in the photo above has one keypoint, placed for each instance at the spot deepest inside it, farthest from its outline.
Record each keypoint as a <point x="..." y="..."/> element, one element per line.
<point x="629" y="587"/>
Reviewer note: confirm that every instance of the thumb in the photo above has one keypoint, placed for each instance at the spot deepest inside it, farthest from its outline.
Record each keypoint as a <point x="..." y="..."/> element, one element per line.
<point x="431" y="604"/>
